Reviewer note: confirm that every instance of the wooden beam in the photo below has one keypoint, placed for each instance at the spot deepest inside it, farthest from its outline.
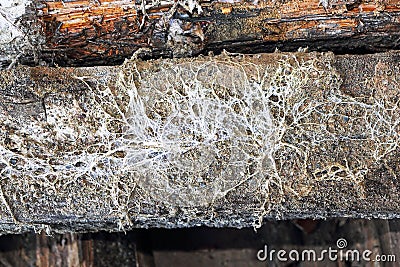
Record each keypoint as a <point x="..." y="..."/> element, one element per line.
<point x="107" y="31"/>
<point x="202" y="246"/>
<point x="219" y="141"/>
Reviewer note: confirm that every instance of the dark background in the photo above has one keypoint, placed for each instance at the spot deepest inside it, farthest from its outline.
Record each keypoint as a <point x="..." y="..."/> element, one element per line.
<point x="203" y="246"/>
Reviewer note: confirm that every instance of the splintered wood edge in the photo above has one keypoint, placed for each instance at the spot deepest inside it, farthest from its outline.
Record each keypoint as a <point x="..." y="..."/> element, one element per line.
<point x="84" y="33"/>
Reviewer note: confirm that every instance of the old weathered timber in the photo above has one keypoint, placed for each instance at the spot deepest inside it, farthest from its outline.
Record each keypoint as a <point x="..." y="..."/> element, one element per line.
<point x="104" y="32"/>
<point x="219" y="140"/>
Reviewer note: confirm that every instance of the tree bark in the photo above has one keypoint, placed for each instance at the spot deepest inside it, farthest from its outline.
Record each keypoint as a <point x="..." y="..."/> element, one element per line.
<point x="104" y="32"/>
<point x="218" y="141"/>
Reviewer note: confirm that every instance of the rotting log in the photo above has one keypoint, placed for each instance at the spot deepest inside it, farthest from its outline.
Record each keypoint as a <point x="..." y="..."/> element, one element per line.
<point x="224" y="140"/>
<point x="104" y="32"/>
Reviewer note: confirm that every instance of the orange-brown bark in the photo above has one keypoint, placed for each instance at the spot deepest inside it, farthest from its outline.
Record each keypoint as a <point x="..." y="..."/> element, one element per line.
<point x="81" y="32"/>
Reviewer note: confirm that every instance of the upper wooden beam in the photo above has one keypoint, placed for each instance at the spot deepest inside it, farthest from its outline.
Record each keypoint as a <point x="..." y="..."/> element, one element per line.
<point x="107" y="31"/>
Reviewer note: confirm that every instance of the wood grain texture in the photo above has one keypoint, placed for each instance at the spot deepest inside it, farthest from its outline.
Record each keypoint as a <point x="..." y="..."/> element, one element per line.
<point x="203" y="246"/>
<point x="82" y="33"/>
<point x="90" y="30"/>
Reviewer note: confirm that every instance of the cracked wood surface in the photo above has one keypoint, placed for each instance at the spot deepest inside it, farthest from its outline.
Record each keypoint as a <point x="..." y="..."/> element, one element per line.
<point x="76" y="33"/>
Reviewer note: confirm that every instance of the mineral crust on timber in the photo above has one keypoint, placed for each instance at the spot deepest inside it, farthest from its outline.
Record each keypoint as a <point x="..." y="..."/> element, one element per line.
<point x="224" y="140"/>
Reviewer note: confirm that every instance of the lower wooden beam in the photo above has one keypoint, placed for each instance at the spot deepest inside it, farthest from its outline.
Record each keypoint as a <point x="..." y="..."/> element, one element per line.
<point x="86" y="250"/>
<point x="202" y="246"/>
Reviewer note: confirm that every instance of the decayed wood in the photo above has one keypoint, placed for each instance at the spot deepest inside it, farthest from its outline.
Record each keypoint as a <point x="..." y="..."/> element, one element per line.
<point x="270" y="135"/>
<point x="105" y="32"/>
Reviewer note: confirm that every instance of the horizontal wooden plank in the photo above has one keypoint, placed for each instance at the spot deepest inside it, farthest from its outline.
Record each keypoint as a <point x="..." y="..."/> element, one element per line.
<point x="202" y="246"/>
<point x="105" y="32"/>
<point x="220" y="141"/>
